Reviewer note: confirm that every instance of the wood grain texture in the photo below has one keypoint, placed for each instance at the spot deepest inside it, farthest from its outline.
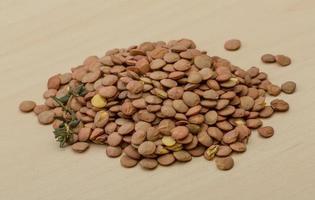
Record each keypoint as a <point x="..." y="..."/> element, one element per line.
<point x="40" y="38"/>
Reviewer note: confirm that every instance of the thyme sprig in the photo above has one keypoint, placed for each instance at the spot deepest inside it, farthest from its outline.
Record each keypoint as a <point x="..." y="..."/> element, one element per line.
<point x="64" y="133"/>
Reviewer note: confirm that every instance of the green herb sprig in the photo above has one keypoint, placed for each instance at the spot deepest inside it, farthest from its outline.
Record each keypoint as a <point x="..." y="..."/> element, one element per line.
<point x="64" y="133"/>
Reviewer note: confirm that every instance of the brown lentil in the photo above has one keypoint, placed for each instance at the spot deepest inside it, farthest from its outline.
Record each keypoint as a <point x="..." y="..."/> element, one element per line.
<point x="268" y="58"/>
<point x="232" y="44"/>
<point x="182" y="156"/>
<point x="128" y="162"/>
<point x="46" y="117"/>
<point x="288" y="87"/>
<point x="266" y="131"/>
<point x="224" y="151"/>
<point x="113" y="152"/>
<point x="27" y="106"/>
<point x="166" y="159"/>
<point x="283" y="60"/>
<point x="224" y="163"/>
<point x="279" y="105"/>
<point x="80" y="147"/>
<point x="148" y="163"/>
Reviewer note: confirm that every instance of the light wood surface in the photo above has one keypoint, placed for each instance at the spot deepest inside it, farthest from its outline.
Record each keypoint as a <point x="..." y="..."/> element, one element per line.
<point x="40" y="38"/>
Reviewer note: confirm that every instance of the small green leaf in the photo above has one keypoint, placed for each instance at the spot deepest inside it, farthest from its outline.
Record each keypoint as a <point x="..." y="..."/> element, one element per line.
<point x="62" y="125"/>
<point x="80" y="90"/>
<point x="74" y="123"/>
<point x="59" y="102"/>
<point x="65" y="98"/>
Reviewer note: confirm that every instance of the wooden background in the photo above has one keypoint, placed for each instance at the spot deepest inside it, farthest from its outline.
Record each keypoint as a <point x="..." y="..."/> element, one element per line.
<point x="40" y="38"/>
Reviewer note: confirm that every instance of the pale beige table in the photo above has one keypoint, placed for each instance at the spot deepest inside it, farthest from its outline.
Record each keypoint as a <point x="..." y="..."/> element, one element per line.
<point x="39" y="38"/>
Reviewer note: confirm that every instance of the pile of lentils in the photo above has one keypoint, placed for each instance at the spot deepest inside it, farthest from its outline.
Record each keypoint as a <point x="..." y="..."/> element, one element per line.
<point x="157" y="103"/>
